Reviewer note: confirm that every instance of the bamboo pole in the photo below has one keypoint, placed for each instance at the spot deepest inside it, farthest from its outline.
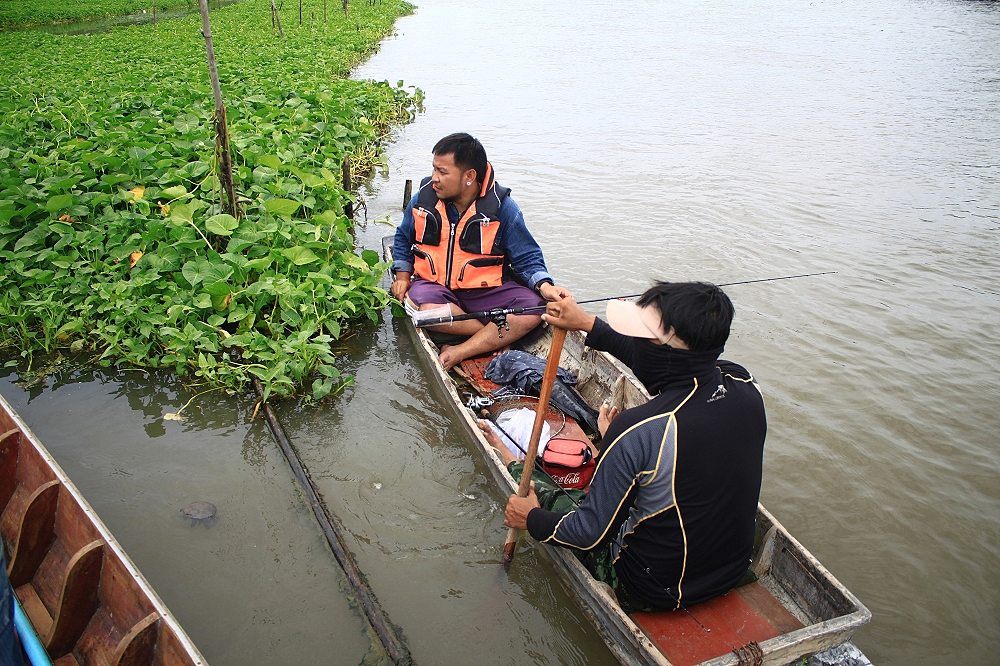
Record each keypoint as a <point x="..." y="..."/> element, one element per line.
<point x="221" y="127"/>
<point x="276" y="20"/>
<point x="407" y="193"/>
<point x="394" y="646"/>
<point x="346" y="173"/>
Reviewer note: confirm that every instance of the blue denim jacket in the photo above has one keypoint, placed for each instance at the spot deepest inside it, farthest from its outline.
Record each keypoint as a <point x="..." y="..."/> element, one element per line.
<point x="9" y="652"/>
<point x="519" y="246"/>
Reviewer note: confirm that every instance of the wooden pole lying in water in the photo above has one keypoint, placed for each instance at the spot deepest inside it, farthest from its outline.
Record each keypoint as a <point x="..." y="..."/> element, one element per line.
<point x="391" y="641"/>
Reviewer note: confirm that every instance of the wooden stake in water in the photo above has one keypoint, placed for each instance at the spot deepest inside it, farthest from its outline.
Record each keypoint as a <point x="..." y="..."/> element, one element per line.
<point x="221" y="127"/>
<point x="548" y="379"/>
<point x="348" y="207"/>
<point x="276" y="20"/>
<point x="407" y="193"/>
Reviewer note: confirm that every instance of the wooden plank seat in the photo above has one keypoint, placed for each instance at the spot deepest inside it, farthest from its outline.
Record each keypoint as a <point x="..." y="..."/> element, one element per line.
<point x="745" y="615"/>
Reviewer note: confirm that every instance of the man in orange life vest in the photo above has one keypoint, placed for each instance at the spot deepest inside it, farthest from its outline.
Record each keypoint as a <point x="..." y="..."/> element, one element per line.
<point x="459" y="233"/>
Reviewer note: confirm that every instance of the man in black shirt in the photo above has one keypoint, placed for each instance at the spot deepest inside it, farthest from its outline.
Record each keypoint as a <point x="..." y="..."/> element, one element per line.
<point x="670" y="516"/>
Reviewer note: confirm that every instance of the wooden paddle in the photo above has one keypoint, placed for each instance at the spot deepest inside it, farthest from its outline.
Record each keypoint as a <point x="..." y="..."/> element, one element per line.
<point x="548" y="379"/>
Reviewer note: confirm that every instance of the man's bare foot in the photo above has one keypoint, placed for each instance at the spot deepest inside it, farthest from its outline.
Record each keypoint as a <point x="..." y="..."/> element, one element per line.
<point x="450" y="356"/>
<point x="491" y="438"/>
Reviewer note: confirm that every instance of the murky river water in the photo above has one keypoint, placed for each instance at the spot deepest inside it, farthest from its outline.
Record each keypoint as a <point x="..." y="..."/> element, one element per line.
<point x="682" y="140"/>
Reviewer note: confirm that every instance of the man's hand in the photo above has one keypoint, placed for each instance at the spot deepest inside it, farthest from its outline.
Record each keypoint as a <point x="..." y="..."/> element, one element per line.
<point x="565" y="313"/>
<point x="551" y="292"/>
<point x="605" y="417"/>
<point x="400" y="285"/>
<point x="518" y="508"/>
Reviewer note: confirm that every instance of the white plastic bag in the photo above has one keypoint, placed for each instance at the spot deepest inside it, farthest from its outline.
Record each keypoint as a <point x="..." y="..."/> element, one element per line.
<point x="517" y="424"/>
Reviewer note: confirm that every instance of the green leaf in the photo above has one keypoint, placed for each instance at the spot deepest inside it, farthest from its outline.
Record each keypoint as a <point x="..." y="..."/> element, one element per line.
<point x="58" y="202"/>
<point x="308" y="179"/>
<point x="222" y="224"/>
<point x="174" y="191"/>
<point x="203" y="270"/>
<point x="300" y="256"/>
<point x="218" y="289"/>
<point x="270" y="161"/>
<point x="354" y="261"/>
<point x="183" y="212"/>
<point x="186" y="123"/>
<point x="281" y="207"/>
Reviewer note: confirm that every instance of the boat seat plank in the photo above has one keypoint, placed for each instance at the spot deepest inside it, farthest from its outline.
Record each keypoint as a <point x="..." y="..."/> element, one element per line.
<point x="29" y="529"/>
<point x="33" y="607"/>
<point x="66" y="660"/>
<point x="749" y="613"/>
<point x="77" y="599"/>
<point x="103" y="637"/>
<point x="137" y="647"/>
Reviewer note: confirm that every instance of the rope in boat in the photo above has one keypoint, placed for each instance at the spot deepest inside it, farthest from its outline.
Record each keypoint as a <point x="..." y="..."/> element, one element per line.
<point x="749" y="655"/>
<point x="387" y="633"/>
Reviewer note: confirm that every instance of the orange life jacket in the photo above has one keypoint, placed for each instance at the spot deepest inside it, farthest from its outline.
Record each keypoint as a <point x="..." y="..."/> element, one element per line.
<point x="466" y="255"/>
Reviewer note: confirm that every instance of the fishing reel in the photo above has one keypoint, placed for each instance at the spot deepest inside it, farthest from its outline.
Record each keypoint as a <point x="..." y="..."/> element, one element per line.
<point x="477" y="402"/>
<point x="499" y="317"/>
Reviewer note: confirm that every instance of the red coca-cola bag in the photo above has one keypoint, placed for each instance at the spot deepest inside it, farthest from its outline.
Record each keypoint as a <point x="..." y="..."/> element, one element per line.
<point x="569" y="462"/>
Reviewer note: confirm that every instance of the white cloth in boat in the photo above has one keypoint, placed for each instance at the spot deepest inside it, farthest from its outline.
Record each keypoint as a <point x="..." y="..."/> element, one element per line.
<point x="516" y="424"/>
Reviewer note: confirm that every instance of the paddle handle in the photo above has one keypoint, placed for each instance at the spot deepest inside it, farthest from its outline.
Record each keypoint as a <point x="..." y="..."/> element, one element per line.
<point x="544" y="395"/>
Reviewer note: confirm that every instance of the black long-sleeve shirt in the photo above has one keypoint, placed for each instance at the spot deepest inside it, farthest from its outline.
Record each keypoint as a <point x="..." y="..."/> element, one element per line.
<point x="677" y="482"/>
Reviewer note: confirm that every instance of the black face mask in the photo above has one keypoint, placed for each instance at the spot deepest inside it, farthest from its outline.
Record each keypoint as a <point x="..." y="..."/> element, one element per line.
<point x="652" y="364"/>
<point x="657" y="365"/>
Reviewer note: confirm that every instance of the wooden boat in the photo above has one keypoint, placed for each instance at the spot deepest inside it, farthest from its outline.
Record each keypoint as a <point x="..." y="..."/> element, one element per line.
<point x="795" y="608"/>
<point x="87" y="602"/>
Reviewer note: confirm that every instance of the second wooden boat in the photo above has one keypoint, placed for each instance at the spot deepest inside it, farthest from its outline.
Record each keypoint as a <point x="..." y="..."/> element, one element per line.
<point x="86" y="601"/>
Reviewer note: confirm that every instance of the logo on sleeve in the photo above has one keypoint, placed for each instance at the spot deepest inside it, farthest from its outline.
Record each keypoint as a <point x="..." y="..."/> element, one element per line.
<point x="719" y="394"/>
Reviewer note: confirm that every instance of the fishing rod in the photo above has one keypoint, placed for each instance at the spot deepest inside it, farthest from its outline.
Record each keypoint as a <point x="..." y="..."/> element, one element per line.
<point x="499" y="315"/>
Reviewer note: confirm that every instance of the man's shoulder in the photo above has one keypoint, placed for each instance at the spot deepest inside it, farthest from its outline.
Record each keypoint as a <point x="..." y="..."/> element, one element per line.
<point x="734" y="370"/>
<point x="508" y="209"/>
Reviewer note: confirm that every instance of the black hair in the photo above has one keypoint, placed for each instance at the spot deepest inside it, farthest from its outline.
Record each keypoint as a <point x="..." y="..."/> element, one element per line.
<point x="700" y="313"/>
<point x="467" y="151"/>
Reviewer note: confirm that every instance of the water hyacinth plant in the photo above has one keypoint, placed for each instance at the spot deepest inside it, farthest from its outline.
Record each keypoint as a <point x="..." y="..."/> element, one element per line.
<point x="113" y="239"/>
<point x="39" y="12"/>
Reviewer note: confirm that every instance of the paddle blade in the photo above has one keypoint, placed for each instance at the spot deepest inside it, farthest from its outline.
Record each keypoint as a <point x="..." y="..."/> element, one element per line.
<point x="509" y="548"/>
